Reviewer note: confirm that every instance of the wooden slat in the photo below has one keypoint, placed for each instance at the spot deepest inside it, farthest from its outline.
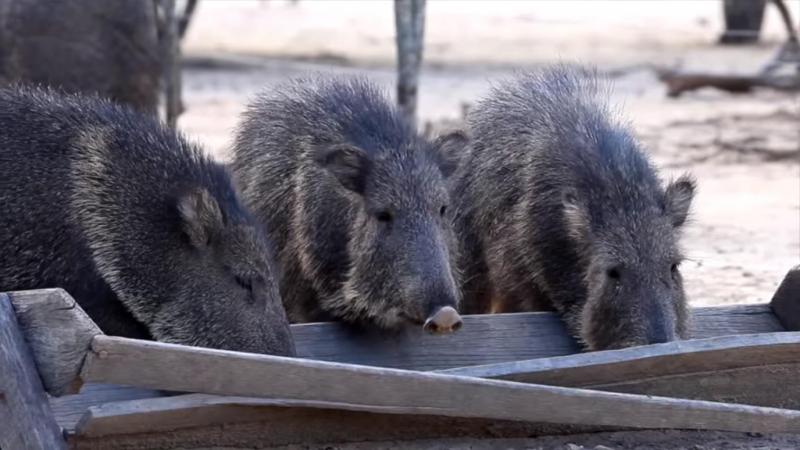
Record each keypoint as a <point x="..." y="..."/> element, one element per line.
<point x="752" y="369"/>
<point x="202" y="410"/>
<point x="180" y="368"/>
<point x="70" y="408"/>
<point x="786" y="301"/>
<point x="489" y="339"/>
<point x="482" y="340"/>
<point x="26" y="420"/>
<point x="59" y="333"/>
<point x="235" y="422"/>
<point x="245" y="423"/>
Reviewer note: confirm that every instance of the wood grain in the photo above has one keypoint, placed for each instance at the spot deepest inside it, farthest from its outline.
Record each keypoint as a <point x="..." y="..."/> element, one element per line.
<point x="258" y="423"/>
<point x="751" y="369"/>
<point x="496" y="338"/>
<point x="180" y="368"/>
<point x="59" y="333"/>
<point x="70" y="408"/>
<point x="26" y="420"/>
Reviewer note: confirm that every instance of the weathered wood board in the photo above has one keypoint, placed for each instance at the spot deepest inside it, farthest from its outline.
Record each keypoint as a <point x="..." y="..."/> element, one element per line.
<point x="281" y="422"/>
<point x="489" y="339"/>
<point x="180" y="368"/>
<point x="758" y="369"/>
<point x="26" y="420"/>
<point x="731" y="368"/>
<point x="59" y="331"/>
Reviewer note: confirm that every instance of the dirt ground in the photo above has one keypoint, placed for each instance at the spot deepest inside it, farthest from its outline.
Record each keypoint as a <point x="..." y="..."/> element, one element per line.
<point x="639" y="440"/>
<point x="743" y="149"/>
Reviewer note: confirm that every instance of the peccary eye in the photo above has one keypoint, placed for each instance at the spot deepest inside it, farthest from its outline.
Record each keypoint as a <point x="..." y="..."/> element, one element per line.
<point x="613" y="274"/>
<point x="674" y="268"/>
<point x="384" y="216"/>
<point x="244" y="283"/>
<point x="443" y="210"/>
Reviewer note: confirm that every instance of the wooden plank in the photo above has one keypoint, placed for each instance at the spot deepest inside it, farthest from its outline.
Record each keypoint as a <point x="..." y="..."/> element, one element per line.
<point x="179" y="368"/>
<point x="202" y="410"/>
<point x="70" y="408"/>
<point x="751" y="369"/>
<point x="489" y="339"/>
<point x="757" y="370"/>
<point x="235" y="422"/>
<point x="786" y="301"/>
<point x="59" y="333"/>
<point x="26" y="418"/>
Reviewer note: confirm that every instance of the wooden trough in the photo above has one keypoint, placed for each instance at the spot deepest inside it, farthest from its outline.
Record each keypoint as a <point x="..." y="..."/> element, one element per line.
<point x="63" y="384"/>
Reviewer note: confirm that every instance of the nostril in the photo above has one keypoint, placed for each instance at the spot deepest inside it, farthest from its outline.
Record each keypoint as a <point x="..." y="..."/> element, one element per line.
<point x="430" y="326"/>
<point x="446" y="319"/>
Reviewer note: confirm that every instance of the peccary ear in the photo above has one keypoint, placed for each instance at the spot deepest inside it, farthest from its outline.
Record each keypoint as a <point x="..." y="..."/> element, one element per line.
<point x="347" y="163"/>
<point x="575" y="213"/>
<point x="678" y="199"/>
<point x="450" y="149"/>
<point x="201" y="216"/>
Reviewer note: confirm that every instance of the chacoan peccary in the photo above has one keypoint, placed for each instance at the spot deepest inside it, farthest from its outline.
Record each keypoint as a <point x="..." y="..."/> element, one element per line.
<point x="559" y="207"/>
<point x="146" y="232"/>
<point x="356" y="202"/>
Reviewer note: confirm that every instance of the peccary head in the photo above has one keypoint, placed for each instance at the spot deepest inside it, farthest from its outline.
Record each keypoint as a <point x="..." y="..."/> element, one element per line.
<point x="180" y="251"/>
<point x="225" y="294"/>
<point x="402" y="245"/>
<point x="627" y="238"/>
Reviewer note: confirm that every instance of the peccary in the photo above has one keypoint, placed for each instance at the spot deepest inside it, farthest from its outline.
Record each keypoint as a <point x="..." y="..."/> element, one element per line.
<point x="356" y="202"/>
<point x="559" y="208"/>
<point x="137" y="224"/>
<point x="107" y="47"/>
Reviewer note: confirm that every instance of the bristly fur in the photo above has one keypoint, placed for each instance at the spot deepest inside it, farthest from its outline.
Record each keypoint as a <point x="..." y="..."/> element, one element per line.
<point x="555" y="197"/>
<point x="322" y="161"/>
<point x="146" y="232"/>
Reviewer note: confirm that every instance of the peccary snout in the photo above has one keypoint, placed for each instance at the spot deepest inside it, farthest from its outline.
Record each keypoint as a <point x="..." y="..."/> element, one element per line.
<point x="444" y="320"/>
<point x="660" y="329"/>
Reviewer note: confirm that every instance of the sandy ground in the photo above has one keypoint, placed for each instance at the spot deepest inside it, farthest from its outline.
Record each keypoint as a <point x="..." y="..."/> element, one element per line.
<point x="744" y="150"/>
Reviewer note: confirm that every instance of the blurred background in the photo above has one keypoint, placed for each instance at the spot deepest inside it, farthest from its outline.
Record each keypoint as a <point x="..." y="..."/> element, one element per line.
<point x="740" y="139"/>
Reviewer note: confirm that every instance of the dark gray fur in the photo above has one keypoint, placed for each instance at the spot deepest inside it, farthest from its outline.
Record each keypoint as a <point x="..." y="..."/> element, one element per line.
<point x="321" y="162"/>
<point x="138" y="225"/>
<point x="556" y="198"/>
<point x="105" y="47"/>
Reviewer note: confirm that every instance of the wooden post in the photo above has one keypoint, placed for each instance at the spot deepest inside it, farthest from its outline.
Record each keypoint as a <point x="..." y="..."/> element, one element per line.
<point x="59" y="333"/>
<point x="786" y="301"/>
<point x="171" y="62"/>
<point x="26" y="420"/>
<point x="409" y="29"/>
